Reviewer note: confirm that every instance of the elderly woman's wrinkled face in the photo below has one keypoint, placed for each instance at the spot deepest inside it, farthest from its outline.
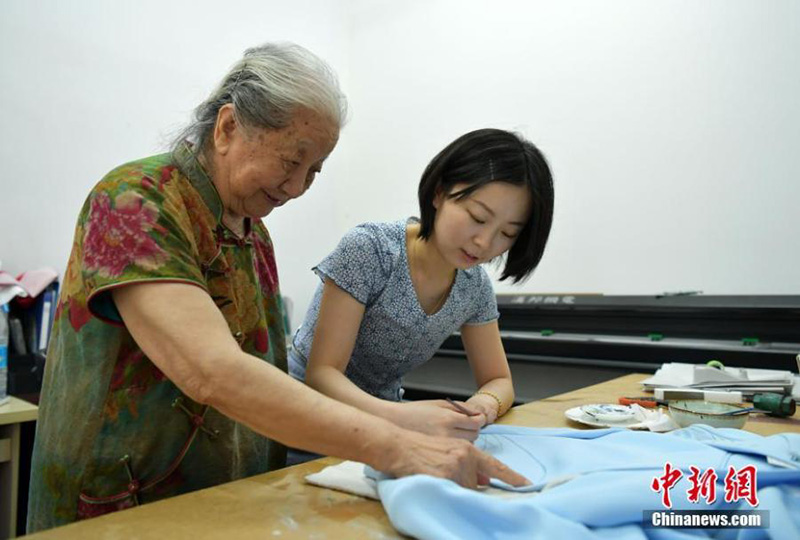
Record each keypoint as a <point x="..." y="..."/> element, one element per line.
<point x="257" y="170"/>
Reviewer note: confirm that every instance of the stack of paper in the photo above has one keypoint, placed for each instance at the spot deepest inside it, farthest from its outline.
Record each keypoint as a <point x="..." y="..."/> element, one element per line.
<point x="27" y="285"/>
<point x="749" y="381"/>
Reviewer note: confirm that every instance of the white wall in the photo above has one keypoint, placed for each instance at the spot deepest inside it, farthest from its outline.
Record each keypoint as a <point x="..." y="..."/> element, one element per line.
<point x="90" y="84"/>
<point x="672" y="127"/>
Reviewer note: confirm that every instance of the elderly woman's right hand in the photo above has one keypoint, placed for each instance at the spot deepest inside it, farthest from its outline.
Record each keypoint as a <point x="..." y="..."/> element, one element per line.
<point x="182" y="332"/>
<point x="454" y="459"/>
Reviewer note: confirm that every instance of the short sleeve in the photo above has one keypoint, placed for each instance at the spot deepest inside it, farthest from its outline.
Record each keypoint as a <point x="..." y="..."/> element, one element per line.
<point x="360" y="264"/>
<point x="485" y="307"/>
<point x="134" y="230"/>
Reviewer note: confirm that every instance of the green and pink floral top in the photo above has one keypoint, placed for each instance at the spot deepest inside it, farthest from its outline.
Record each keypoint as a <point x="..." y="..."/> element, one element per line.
<point x="113" y="430"/>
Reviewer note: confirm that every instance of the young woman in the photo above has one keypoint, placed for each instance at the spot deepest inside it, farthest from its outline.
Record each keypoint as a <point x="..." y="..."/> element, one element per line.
<point x="391" y="293"/>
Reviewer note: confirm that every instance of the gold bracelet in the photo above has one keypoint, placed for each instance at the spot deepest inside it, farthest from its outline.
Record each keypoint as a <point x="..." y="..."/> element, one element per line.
<point x="493" y="396"/>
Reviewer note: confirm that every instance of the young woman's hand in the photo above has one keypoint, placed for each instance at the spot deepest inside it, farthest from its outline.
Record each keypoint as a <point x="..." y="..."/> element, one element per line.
<point x="484" y="404"/>
<point x="438" y="417"/>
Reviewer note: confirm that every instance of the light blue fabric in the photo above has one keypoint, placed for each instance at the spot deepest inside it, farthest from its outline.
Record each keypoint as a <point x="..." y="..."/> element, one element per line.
<point x="611" y="472"/>
<point x="396" y="335"/>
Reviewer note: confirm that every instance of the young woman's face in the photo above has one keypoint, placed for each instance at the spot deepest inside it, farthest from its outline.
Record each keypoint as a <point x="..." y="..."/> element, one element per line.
<point x="482" y="225"/>
<point x="258" y="170"/>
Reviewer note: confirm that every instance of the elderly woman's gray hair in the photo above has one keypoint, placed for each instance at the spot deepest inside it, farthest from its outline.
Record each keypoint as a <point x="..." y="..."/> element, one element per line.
<point x="265" y="87"/>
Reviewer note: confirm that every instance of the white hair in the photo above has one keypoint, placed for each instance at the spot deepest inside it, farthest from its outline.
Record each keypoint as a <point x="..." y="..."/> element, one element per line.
<point x="266" y="86"/>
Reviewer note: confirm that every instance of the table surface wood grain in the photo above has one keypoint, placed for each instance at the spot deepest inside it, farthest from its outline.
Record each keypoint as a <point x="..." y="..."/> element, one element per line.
<point x="281" y="505"/>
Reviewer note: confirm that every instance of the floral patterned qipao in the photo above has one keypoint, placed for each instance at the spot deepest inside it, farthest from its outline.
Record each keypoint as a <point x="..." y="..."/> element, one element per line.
<point x="113" y="431"/>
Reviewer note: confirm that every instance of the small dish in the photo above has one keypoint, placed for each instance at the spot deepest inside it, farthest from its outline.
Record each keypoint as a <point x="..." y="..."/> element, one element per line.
<point x="578" y="414"/>
<point x="608" y="413"/>
<point x="696" y="411"/>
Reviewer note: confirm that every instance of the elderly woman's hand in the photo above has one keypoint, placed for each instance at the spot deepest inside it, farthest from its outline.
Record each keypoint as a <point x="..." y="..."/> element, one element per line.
<point x="454" y="459"/>
<point x="182" y="332"/>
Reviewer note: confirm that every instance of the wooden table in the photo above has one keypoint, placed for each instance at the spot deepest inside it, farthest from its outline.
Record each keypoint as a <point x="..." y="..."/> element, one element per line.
<point x="281" y="505"/>
<point x="12" y="414"/>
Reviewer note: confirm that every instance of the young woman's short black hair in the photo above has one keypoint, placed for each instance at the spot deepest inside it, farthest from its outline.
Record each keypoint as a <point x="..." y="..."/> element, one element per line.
<point x="494" y="155"/>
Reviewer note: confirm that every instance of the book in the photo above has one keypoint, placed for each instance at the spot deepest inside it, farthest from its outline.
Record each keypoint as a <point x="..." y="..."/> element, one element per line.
<point x="45" y="314"/>
<point x="748" y="381"/>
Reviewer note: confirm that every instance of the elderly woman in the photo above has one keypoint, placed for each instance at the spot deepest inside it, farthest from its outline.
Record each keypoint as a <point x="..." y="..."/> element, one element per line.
<point x="166" y="369"/>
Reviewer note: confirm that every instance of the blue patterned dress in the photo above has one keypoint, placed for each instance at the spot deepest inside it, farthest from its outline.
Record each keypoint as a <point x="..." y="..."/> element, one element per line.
<point x="396" y="335"/>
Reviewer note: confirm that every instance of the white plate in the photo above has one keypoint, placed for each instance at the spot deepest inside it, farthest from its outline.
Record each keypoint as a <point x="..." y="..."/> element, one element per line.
<point x="576" y="414"/>
<point x="609" y="413"/>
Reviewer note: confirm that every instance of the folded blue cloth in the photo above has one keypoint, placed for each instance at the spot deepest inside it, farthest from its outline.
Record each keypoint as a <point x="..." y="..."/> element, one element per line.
<point x="597" y="484"/>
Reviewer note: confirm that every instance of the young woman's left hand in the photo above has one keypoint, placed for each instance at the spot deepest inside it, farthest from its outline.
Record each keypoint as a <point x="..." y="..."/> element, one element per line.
<point x="439" y="417"/>
<point x="484" y="404"/>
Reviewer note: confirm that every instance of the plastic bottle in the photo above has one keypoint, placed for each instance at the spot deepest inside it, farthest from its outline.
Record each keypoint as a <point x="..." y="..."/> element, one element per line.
<point x="3" y="351"/>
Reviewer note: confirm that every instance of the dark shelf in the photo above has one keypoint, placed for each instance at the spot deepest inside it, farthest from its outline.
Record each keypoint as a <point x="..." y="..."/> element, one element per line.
<point x="557" y="343"/>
